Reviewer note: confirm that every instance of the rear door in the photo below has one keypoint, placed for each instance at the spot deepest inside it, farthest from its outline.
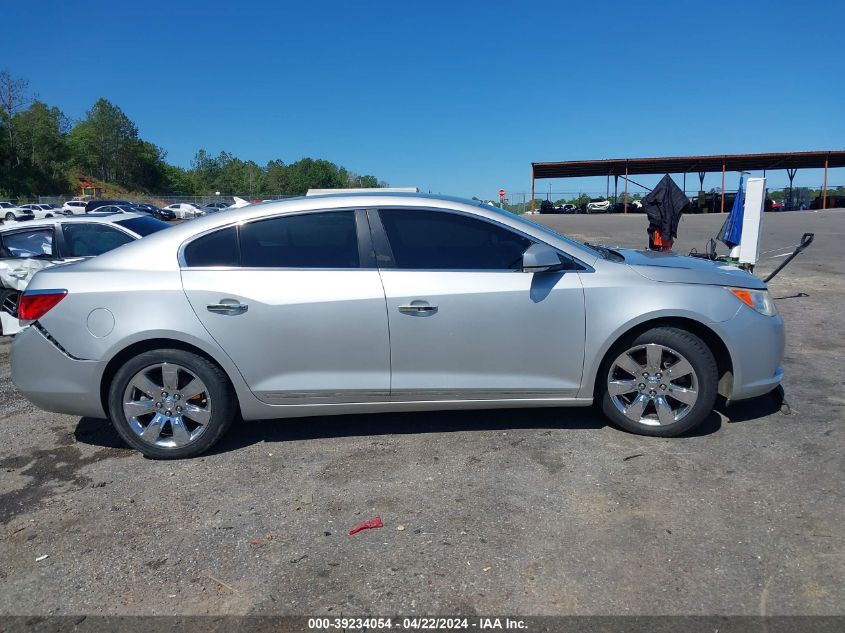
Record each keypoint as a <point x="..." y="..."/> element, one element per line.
<point x="296" y="301"/>
<point x="465" y="322"/>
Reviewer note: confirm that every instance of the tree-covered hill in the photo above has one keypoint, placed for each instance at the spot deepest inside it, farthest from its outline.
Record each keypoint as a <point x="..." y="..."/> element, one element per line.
<point x="43" y="152"/>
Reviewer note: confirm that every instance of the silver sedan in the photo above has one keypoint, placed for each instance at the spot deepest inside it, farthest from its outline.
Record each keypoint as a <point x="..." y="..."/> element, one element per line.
<point x="383" y="302"/>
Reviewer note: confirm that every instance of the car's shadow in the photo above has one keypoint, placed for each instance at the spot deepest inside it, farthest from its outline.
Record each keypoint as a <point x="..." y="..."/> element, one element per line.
<point x="248" y="432"/>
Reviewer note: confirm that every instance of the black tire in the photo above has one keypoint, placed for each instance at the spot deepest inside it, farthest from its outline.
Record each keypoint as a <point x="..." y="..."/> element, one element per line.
<point x="10" y="217"/>
<point x="703" y="363"/>
<point x="222" y="395"/>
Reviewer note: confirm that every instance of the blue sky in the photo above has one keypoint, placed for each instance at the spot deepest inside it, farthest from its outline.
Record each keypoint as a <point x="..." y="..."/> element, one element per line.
<point x="453" y="97"/>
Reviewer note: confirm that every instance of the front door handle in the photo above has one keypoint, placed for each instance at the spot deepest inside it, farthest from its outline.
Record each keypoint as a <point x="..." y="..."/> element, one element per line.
<point x="418" y="307"/>
<point x="227" y="307"/>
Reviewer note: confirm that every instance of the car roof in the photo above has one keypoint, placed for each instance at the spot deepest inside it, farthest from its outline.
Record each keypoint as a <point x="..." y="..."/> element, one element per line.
<point x="147" y="254"/>
<point x="101" y="218"/>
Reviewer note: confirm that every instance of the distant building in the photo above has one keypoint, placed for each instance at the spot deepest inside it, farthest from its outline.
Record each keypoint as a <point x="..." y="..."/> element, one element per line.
<point x="88" y="189"/>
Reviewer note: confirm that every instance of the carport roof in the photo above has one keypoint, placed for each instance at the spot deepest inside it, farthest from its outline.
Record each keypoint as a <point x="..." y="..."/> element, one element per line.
<point x="680" y="164"/>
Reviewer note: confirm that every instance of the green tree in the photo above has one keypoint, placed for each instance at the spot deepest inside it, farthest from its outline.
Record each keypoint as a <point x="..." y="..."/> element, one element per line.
<point x="308" y="173"/>
<point x="106" y="145"/>
<point x="177" y="181"/>
<point x="205" y="169"/>
<point x="365" y="182"/>
<point x="40" y="147"/>
<point x="276" y="178"/>
<point x="14" y="95"/>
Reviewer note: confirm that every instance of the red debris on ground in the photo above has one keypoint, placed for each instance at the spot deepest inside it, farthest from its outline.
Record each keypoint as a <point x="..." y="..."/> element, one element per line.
<point x="375" y="522"/>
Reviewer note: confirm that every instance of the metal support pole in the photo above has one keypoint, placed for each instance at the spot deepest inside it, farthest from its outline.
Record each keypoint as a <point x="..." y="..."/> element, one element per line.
<point x="824" y="187"/>
<point x="790" y="173"/>
<point x="532" y="189"/>
<point x="615" y="189"/>
<point x="685" y="183"/>
<point x="607" y="188"/>
<point x="723" y="186"/>
<point x="625" y="205"/>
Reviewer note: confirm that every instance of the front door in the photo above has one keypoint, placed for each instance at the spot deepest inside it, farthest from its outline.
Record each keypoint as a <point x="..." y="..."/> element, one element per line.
<point x="290" y="302"/>
<point x="465" y="321"/>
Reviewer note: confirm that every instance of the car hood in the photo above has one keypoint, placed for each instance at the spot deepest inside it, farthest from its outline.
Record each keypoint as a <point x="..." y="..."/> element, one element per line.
<point x="674" y="268"/>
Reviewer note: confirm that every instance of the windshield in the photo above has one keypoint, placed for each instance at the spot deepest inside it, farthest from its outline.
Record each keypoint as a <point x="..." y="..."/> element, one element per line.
<point x="143" y="225"/>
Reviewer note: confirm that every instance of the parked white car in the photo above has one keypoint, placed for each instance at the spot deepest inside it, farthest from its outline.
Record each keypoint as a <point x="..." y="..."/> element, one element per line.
<point x="74" y="207"/>
<point x="27" y="247"/>
<point x="214" y="207"/>
<point x="598" y="206"/>
<point x="185" y="210"/>
<point x="43" y="211"/>
<point x="13" y="213"/>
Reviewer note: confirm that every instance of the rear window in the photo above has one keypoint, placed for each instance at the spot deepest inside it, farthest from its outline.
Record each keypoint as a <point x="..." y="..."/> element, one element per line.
<point x="25" y="244"/>
<point x="144" y="225"/>
<point x="85" y="239"/>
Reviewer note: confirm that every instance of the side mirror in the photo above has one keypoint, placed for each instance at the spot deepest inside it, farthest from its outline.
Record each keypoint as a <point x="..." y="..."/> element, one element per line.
<point x="541" y="258"/>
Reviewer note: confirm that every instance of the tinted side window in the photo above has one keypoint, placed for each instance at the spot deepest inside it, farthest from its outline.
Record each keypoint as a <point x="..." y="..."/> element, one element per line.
<point x="313" y="240"/>
<point x="215" y="249"/>
<point x="145" y="225"/>
<point x="90" y="240"/>
<point x="29" y="243"/>
<point x="447" y="241"/>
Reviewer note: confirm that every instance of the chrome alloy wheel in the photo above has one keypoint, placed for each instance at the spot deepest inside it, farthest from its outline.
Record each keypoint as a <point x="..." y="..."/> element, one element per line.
<point x="167" y="405"/>
<point x="653" y="385"/>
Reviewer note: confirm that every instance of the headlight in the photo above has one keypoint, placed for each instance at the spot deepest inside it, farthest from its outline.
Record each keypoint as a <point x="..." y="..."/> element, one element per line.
<point x="757" y="299"/>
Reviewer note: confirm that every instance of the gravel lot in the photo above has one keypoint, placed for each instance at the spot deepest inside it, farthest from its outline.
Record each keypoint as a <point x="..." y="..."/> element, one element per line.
<point x="511" y="511"/>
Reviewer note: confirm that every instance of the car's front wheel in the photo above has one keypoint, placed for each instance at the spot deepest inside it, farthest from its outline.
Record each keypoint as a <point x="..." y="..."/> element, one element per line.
<point x="661" y="383"/>
<point x="171" y="403"/>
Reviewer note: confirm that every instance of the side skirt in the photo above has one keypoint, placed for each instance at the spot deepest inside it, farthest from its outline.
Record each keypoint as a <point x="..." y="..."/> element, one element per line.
<point x="267" y="411"/>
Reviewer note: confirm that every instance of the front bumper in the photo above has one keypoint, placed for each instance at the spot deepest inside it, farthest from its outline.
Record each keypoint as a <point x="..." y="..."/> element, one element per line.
<point x="756" y="344"/>
<point x="54" y="381"/>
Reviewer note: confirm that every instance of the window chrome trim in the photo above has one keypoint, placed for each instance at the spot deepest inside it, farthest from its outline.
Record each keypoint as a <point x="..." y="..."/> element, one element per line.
<point x="180" y="256"/>
<point x="275" y="269"/>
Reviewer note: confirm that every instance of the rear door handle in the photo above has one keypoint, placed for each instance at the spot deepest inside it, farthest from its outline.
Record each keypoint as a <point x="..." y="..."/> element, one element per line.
<point x="418" y="307"/>
<point x="227" y="308"/>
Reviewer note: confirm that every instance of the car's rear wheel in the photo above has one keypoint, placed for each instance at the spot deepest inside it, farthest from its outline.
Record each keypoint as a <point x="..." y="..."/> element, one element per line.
<point x="10" y="217"/>
<point x="661" y="383"/>
<point x="171" y="403"/>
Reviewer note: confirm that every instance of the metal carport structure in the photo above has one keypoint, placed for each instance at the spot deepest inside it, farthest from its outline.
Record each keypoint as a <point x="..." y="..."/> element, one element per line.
<point x="625" y="167"/>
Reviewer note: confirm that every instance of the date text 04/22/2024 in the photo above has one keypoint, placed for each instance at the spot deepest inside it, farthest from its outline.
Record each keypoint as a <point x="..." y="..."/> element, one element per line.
<point x="416" y="623"/>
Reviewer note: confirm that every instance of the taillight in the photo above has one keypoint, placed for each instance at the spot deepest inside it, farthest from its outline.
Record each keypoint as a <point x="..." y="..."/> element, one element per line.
<point x="34" y="305"/>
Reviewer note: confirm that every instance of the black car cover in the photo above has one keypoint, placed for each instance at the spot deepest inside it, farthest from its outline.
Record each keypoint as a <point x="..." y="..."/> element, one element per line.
<point x="664" y="206"/>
